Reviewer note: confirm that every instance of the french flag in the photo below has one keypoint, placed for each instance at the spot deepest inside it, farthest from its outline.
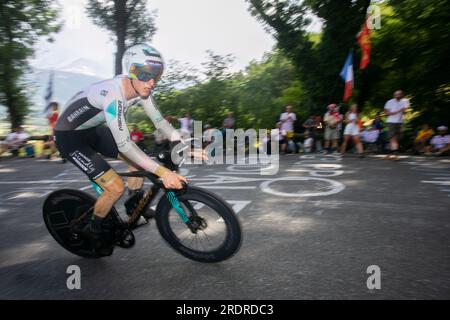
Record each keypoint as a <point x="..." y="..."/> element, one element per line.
<point x="347" y="75"/>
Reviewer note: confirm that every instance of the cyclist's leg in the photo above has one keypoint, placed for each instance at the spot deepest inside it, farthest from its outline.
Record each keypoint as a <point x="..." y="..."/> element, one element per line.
<point x="77" y="147"/>
<point x="106" y="145"/>
<point x="113" y="188"/>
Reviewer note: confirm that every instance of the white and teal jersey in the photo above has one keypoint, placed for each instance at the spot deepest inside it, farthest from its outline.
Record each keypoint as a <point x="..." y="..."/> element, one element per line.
<point x="104" y="103"/>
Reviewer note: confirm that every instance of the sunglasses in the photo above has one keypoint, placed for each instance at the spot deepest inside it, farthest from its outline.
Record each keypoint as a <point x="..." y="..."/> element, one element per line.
<point x="145" y="72"/>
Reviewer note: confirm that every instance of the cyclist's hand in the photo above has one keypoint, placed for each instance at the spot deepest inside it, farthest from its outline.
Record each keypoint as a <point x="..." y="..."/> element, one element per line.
<point x="171" y="180"/>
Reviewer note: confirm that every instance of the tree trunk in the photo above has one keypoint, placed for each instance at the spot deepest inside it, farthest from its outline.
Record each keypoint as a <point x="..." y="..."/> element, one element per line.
<point x="121" y="32"/>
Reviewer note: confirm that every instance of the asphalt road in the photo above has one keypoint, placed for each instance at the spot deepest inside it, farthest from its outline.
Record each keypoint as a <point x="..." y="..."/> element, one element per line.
<point x="311" y="235"/>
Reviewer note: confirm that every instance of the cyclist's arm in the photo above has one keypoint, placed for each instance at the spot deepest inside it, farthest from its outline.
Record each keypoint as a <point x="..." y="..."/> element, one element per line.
<point x="158" y="120"/>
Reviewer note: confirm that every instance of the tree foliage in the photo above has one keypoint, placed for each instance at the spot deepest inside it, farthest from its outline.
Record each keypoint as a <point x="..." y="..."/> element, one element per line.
<point x="411" y="52"/>
<point x="317" y="62"/>
<point x="129" y="22"/>
<point x="22" y="23"/>
<point x="257" y="95"/>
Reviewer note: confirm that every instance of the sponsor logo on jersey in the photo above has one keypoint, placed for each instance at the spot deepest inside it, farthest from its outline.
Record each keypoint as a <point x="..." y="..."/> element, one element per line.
<point x="104" y="93"/>
<point x="119" y="114"/>
<point x="77" y="113"/>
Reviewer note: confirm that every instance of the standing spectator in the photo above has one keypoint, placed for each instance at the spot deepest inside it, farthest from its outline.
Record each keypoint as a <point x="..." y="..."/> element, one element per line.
<point x="394" y="109"/>
<point x="352" y="130"/>
<point x="228" y="122"/>
<point x="423" y="138"/>
<point x="440" y="143"/>
<point x="287" y="120"/>
<point x="53" y="114"/>
<point x="49" y="143"/>
<point x="332" y="120"/>
<point x="14" y="140"/>
<point x="187" y="125"/>
<point x="318" y="133"/>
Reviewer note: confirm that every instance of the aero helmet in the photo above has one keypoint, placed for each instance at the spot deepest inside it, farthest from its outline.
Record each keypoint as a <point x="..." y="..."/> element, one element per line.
<point x="142" y="62"/>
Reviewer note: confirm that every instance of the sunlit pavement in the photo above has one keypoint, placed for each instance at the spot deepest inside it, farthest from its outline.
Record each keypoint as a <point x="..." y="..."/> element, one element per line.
<point x="310" y="232"/>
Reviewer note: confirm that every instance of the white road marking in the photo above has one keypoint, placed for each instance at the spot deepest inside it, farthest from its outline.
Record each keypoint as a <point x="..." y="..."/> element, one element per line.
<point x="335" y="187"/>
<point x="442" y="183"/>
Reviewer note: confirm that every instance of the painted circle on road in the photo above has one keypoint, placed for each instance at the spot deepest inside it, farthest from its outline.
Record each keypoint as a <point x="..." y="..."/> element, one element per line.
<point x="333" y="187"/>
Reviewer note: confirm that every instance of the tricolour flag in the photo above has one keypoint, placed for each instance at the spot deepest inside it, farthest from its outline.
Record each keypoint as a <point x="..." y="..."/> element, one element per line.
<point x="364" y="43"/>
<point x="347" y="75"/>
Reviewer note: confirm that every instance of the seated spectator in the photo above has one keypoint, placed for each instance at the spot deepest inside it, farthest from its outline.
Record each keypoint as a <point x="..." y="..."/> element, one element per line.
<point x="423" y="138"/>
<point x="370" y="135"/>
<point x="279" y="137"/>
<point x="379" y="125"/>
<point x="440" y="143"/>
<point x="308" y="143"/>
<point x="14" y="141"/>
<point x="48" y="146"/>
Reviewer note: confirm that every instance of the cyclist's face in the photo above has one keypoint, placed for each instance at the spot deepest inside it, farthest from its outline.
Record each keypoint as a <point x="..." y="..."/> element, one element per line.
<point x="144" y="88"/>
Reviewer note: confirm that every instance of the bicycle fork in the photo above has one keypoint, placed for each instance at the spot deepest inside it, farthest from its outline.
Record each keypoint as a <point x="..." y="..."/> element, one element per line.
<point x="195" y="222"/>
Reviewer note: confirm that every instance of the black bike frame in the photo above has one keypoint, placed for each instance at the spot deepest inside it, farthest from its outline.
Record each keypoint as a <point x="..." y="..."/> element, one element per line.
<point x="158" y="185"/>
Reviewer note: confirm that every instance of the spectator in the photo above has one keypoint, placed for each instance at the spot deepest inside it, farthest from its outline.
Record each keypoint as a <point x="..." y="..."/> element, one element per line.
<point x="308" y="143"/>
<point x="187" y="125"/>
<point x="423" y="138"/>
<point x="378" y="124"/>
<point x="310" y="127"/>
<point x="137" y="136"/>
<point x="281" y="139"/>
<point x="49" y="143"/>
<point x="228" y="122"/>
<point x="318" y="133"/>
<point x="14" y="140"/>
<point x="370" y="137"/>
<point x="394" y="109"/>
<point x="352" y="130"/>
<point x="53" y="114"/>
<point x="440" y="143"/>
<point x="332" y="120"/>
<point x="287" y="120"/>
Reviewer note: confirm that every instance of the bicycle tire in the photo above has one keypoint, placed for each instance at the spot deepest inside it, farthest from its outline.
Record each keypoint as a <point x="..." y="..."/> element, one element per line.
<point x="233" y="239"/>
<point x="59" y="209"/>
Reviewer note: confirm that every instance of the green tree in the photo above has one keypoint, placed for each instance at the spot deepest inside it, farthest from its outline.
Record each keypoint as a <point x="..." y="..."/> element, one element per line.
<point x="129" y="21"/>
<point x="318" y="63"/>
<point x="22" y="23"/>
<point x="410" y="52"/>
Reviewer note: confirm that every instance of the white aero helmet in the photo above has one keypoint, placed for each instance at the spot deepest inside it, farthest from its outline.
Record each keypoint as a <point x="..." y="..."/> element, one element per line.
<point x="142" y="62"/>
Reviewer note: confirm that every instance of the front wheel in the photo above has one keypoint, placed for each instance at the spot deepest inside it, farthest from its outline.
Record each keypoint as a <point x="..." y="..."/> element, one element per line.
<point x="213" y="232"/>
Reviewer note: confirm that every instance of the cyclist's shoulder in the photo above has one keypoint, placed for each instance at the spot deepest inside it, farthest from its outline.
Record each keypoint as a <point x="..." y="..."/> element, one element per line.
<point x="106" y="87"/>
<point x="102" y="93"/>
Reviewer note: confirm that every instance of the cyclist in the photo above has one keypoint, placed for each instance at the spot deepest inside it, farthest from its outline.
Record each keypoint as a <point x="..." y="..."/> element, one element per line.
<point x="81" y="133"/>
